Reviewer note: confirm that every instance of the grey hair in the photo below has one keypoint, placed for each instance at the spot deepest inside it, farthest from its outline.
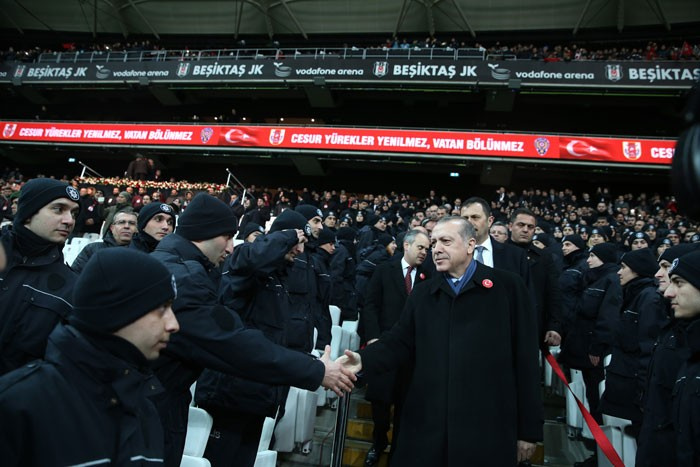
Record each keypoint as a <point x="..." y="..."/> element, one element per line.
<point x="411" y="235"/>
<point x="466" y="230"/>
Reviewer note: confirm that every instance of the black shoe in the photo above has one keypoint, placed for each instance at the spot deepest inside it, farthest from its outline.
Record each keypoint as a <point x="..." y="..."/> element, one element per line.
<point x="590" y="462"/>
<point x="372" y="456"/>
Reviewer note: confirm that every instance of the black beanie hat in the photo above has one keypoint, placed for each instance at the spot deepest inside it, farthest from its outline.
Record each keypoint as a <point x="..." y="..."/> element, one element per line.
<point x="291" y="220"/>
<point x="688" y="267"/>
<point x="371" y="219"/>
<point x="308" y="211"/>
<point x="677" y="251"/>
<point x="346" y="233"/>
<point x="206" y="217"/>
<point x="248" y="229"/>
<point x="37" y="193"/>
<point x="326" y="236"/>
<point x="576" y="240"/>
<point x="385" y="239"/>
<point x="606" y="252"/>
<point x="150" y="210"/>
<point x="641" y="261"/>
<point x="543" y="238"/>
<point x="640" y="235"/>
<point x="602" y="232"/>
<point x="117" y="287"/>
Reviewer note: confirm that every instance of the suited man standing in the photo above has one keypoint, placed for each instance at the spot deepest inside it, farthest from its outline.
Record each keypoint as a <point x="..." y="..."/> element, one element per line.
<point x="489" y="252"/>
<point x="387" y="292"/>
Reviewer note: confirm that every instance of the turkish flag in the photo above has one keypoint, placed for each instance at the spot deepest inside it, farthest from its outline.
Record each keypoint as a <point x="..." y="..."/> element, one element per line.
<point x="592" y="149"/>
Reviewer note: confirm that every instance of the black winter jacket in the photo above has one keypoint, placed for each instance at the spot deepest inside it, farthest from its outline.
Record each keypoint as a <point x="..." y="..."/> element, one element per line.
<point x="590" y="332"/>
<point x="212" y="336"/>
<point x="35" y="295"/>
<point x="686" y="402"/>
<point x="82" y="406"/>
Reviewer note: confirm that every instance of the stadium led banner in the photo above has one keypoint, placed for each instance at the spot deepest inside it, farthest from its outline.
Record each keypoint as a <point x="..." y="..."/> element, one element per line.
<point x="453" y="144"/>
<point x="376" y="70"/>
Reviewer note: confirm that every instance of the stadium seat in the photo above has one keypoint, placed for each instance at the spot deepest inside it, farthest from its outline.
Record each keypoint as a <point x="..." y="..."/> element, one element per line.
<point x="93" y="237"/>
<point x="266" y="459"/>
<point x="296" y="428"/>
<point x="199" y="424"/>
<point x="335" y="315"/>
<point x="190" y="461"/>
<point x="336" y="341"/>
<point x="266" y="435"/>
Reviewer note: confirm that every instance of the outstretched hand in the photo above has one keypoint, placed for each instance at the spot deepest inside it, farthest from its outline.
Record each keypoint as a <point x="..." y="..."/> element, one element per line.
<point x="337" y="378"/>
<point x="351" y="361"/>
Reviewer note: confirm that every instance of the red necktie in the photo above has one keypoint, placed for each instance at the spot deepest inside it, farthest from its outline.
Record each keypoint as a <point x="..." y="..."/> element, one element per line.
<point x="407" y="280"/>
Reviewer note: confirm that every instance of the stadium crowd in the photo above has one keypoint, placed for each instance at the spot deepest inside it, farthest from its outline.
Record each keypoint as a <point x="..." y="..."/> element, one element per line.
<point x="607" y="273"/>
<point x="652" y="50"/>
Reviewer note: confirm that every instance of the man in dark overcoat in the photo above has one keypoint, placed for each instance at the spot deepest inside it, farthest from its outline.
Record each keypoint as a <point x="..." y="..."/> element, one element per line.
<point x="469" y="333"/>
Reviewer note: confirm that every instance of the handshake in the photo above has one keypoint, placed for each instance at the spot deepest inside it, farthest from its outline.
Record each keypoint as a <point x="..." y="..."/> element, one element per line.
<point x="340" y="374"/>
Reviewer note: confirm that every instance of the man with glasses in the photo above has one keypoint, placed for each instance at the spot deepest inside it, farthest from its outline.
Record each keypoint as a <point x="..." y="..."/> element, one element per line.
<point x="120" y="233"/>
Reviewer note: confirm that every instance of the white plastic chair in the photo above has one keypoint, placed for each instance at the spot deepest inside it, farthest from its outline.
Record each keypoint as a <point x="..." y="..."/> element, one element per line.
<point x="336" y="341"/>
<point x="190" y="461"/>
<point x="266" y="434"/>
<point x="92" y="236"/>
<point x="296" y="428"/>
<point x="266" y="459"/>
<point x="199" y="424"/>
<point x="335" y="315"/>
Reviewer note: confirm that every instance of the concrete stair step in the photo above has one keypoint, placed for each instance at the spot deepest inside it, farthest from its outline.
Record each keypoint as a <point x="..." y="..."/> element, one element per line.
<point x="356" y="451"/>
<point x="361" y="430"/>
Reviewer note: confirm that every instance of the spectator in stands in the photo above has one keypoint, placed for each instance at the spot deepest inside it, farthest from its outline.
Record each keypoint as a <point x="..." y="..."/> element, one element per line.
<point x="139" y="168"/>
<point x="120" y="234"/>
<point x="499" y="232"/>
<point x="212" y="335"/>
<point x="37" y="285"/>
<point x="155" y="221"/>
<point x="90" y="216"/>
<point x="122" y="203"/>
<point x="88" y="402"/>
<point x="388" y="289"/>
<point x="447" y="322"/>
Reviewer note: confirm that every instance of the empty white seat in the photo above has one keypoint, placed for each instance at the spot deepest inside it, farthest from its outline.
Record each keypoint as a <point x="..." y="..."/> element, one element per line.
<point x="335" y="315"/>
<point x="266" y="459"/>
<point x="199" y="424"/>
<point x="190" y="461"/>
<point x="336" y="342"/>
<point x="266" y="434"/>
<point x="296" y="428"/>
<point x="92" y="236"/>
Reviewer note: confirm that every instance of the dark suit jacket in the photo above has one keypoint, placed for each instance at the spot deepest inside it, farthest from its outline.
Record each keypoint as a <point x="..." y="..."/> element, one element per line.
<point x="386" y="296"/>
<point x="513" y="259"/>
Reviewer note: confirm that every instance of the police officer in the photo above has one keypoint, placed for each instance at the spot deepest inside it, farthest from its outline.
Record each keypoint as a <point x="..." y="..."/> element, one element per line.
<point x="212" y="335"/>
<point x="155" y="221"/>
<point x="88" y="402"/>
<point x="684" y="294"/>
<point x="36" y="286"/>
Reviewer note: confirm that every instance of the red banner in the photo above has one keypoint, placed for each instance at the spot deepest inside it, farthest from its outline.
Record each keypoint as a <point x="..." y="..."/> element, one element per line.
<point x="453" y="143"/>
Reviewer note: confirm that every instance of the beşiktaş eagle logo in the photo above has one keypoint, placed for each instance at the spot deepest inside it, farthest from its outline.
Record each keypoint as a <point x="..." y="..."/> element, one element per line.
<point x="102" y="72"/>
<point x="632" y="150"/>
<point x="380" y="69"/>
<point x="166" y="208"/>
<point x="277" y="137"/>
<point x="9" y="130"/>
<point x="613" y="72"/>
<point x="72" y="193"/>
<point x="182" y="69"/>
<point x="542" y="146"/>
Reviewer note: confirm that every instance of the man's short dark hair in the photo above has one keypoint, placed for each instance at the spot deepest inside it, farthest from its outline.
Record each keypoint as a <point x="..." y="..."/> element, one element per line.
<point x="524" y="211"/>
<point x="476" y="200"/>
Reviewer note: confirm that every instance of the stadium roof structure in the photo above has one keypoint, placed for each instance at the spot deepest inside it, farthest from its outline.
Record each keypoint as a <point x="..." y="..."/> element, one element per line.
<point x="304" y="18"/>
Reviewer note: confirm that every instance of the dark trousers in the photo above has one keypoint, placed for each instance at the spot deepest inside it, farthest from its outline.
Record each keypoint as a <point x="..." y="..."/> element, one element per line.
<point x="591" y="379"/>
<point x="234" y="438"/>
<point x="381" y="416"/>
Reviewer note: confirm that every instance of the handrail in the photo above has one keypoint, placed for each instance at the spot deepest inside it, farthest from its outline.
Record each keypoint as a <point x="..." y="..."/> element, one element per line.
<point x="447" y="53"/>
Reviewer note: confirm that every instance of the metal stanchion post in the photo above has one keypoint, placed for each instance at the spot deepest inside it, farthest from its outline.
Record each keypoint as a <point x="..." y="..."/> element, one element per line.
<point x="341" y="421"/>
